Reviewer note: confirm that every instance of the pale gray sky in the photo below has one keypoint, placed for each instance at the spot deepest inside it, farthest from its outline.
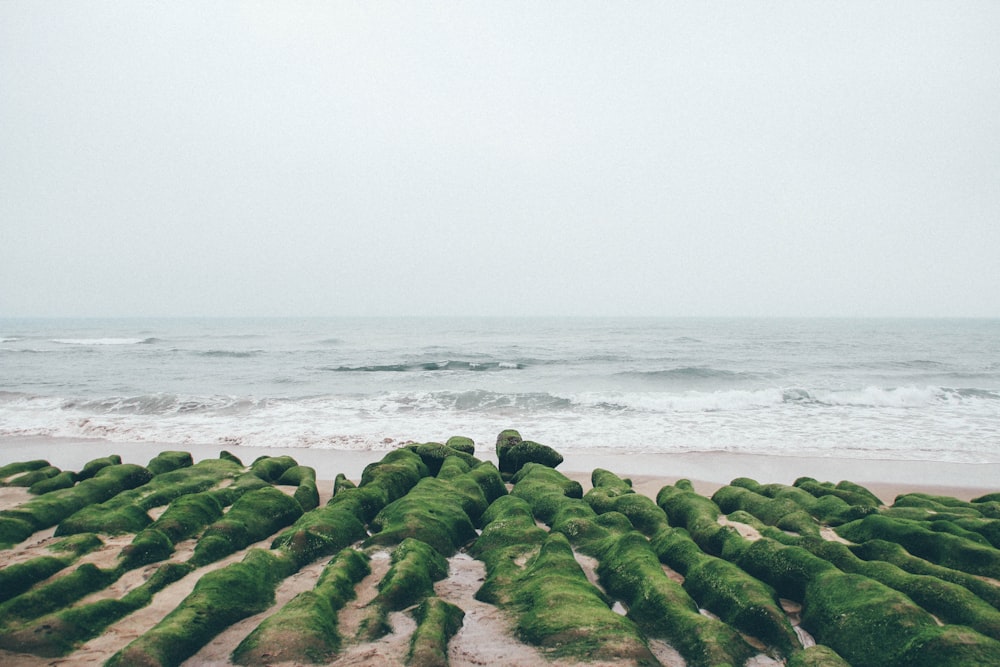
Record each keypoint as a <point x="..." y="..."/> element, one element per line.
<point x="584" y="158"/>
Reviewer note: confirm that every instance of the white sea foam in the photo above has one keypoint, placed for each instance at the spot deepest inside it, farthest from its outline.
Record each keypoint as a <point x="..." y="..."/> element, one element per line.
<point x="99" y="341"/>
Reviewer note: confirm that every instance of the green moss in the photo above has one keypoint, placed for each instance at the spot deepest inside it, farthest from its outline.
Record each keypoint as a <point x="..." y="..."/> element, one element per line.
<point x="219" y="599"/>
<point x="230" y="457"/>
<point x="106" y="519"/>
<point x="168" y="461"/>
<point x="341" y="482"/>
<point x="611" y="493"/>
<point x="852" y="494"/>
<point x="63" y="631"/>
<point x="437" y="622"/>
<point x="77" y="545"/>
<point x="558" y="609"/>
<point x="434" y="454"/>
<point x="942" y="548"/>
<point x="48" y="510"/>
<point x="63" y="480"/>
<point x="304" y="478"/>
<point x="253" y="517"/>
<point x="544" y="489"/>
<point x="19" y="577"/>
<point x="737" y="598"/>
<point x="515" y="456"/>
<point x="321" y="532"/>
<point x="271" y="468"/>
<point x="416" y="565"/>
<point x="891" y="552"/>
<point x="435" y="511"/>
<point x="91" y="468"/>
<point x="781" y="512"/>
<point x="56" y="594"/>
<point x="18" y="467"/>
<point x="509" y="535"/>
<point x="864" y="621"/>
<point x="817" y="656"/>
<point x="489" y="480"/>
<point x="149" y="546"/>
<point x="949" y="602"/>
<point x="462" y="444"/>
<point x="305" y="629"/>
<point x="14" y="529"/>
<point x="33" y="477"/>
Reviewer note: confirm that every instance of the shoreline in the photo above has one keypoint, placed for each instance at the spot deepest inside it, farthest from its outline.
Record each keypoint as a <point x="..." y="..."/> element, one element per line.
<point x="649" y="471"/>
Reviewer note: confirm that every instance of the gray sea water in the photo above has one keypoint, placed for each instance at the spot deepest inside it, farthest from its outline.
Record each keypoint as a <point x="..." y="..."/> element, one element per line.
<point x="888" y="389"/>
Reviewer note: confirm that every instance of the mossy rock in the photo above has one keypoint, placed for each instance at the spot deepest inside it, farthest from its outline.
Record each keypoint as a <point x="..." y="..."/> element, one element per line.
<point x="219" y="599"/>
<point x="516" y="456"/>
<point x="434" y="454"/>
<point x="942" y="548"/>
<point x="341" y="482"/>
<point x="437" y="622"/>
<point x="169" y="461"/>
<point x="105" y="519"/>
<point x="544" y="488"/>
<point x="64" y="480"/>
<point x="18" y="467"/>
<point x="56" y="594"/>
<point x="19" y="577"/>
<point x="559" y="610"/>
<point x="29" y="479"/>
<point x="305" y="629"/>
<point x="507" y="439"/>
<point x="322" y="532"/>
<point x="462" y="444"/>
<point x="232" y="458"/>
<point x="817" y="656"/>
<point x="416" y="565"/>
<point x="435" y="511"/>
<point x="737" y="598"/>
<point x="271" y="468"/>
<point x="149" y="546"/>
<point x="253" y="517"/>
<point x="92" y="467"/>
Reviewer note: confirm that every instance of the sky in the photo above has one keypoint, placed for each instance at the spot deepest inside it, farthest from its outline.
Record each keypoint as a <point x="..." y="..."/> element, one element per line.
<point x="505" y="158"/>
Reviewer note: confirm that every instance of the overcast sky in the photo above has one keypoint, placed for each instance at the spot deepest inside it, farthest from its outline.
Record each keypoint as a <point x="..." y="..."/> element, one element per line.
<point x="578" y="158"/>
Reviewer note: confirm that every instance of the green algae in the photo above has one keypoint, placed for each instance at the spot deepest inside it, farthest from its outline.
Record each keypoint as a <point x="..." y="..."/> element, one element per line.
<point x="34" y="477"/>
<point x="558" y="609"/>
<point x="437" y="622"/>
<point x="60" y="632"/>
<point x="415" y="567"/>
<point x="255" y="516"/>
<point x="219" y="599"/>
<point x="169" y="461"/>
<point x="783" y="513"/>
<point x="890" y="552"/>
<point x="304" y="479"/>
<point x="944" y="549"/>
<point x="436" y="510"/>
<point x="64" y="480"/>
<point x="949" y="602"/>
<point x="55" y="594"/>
<point x="18" y="467"/>
<point x="737" y="598"/>
<point x="305" y="629"/>
<point x="817" y="656"/>
<point x="321" y="532"/>
<point x="462" y="444"/>
<point x="48" y="510"/>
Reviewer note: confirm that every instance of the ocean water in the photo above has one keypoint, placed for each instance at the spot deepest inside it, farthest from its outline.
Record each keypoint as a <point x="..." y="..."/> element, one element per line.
<point x="887" y="389"/>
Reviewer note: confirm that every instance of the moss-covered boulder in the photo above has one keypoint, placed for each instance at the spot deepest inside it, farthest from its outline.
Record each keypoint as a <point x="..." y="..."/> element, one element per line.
<point x="169" y="461"/>
<point x="462" y="444"/>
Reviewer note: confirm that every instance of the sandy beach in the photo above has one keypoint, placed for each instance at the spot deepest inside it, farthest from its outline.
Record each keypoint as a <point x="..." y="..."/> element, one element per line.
<point x="487" y="634"/>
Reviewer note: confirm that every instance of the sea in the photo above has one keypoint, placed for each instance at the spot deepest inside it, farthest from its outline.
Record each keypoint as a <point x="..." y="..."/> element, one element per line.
<point x="897" y="389"/>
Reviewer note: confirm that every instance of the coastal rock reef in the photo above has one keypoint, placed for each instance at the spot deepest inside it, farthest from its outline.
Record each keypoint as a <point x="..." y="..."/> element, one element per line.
<point x="435" y="557"/>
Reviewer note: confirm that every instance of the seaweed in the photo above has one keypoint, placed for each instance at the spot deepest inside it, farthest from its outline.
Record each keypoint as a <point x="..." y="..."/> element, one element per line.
<point x="169" y="461"/>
